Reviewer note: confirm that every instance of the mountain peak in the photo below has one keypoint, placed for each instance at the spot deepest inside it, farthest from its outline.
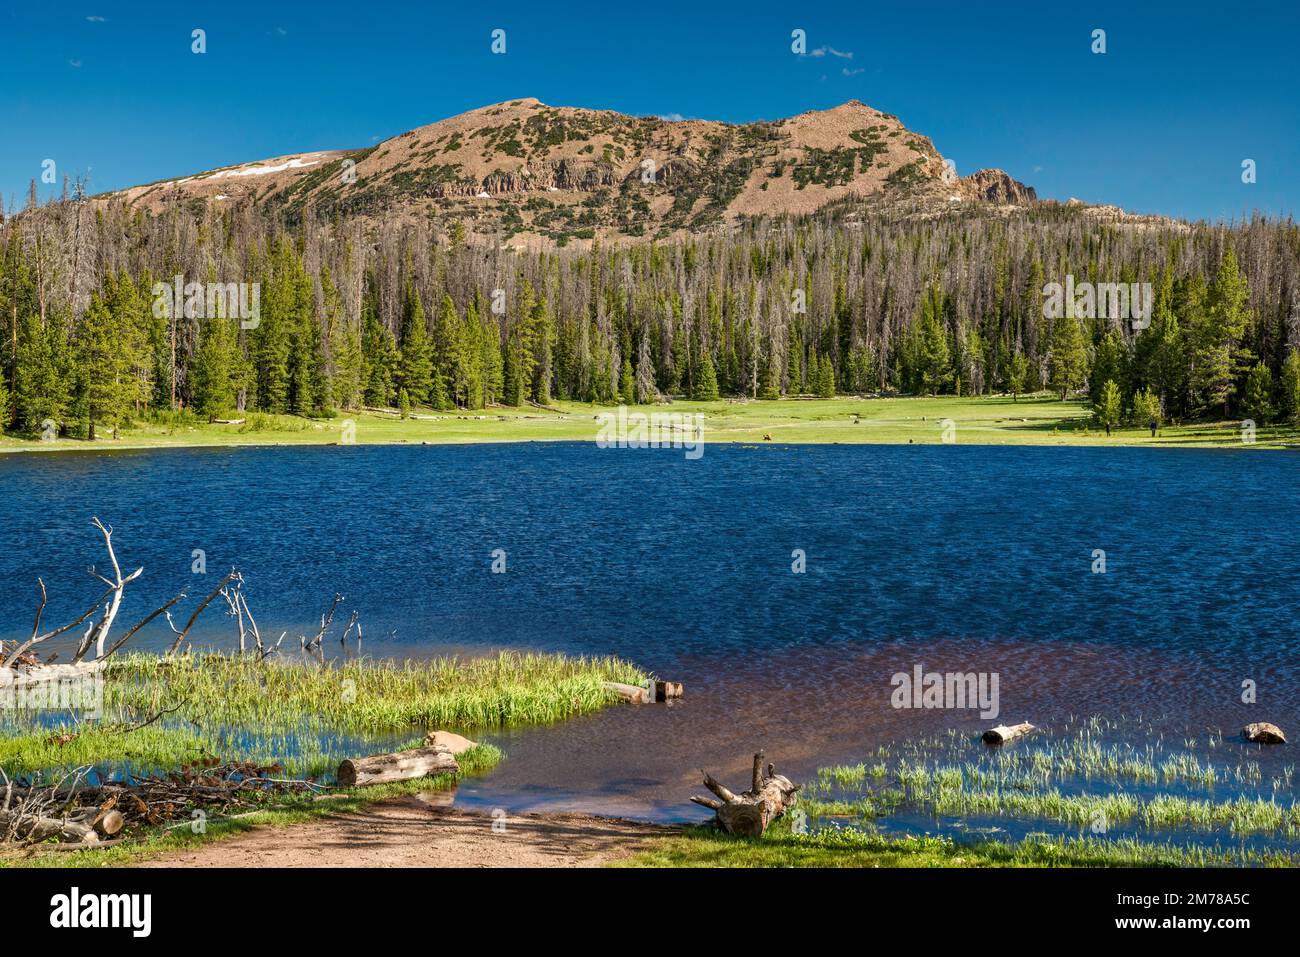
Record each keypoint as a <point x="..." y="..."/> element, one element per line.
<point x="522" y="171"/>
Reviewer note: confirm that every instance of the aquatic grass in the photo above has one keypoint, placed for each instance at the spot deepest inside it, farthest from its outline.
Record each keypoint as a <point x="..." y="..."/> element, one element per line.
<point x="840" y="846"/>
<point x="1073" y="777"/>
<point x="305" y="716"/>
<point x="368" y="696"/>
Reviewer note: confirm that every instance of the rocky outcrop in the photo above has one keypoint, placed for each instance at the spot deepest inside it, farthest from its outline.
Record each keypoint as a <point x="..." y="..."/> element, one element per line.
<point x="995" y="186"/>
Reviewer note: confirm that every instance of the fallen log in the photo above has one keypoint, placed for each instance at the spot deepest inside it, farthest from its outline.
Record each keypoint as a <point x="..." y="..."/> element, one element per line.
<point x="769" y="796"/>
<point x="633" y="693"/>
<point x="1261" y="732"/>
<point x="398" y="766"/>
<point x="37" y="828"/>
<point x="1002" y="733"/>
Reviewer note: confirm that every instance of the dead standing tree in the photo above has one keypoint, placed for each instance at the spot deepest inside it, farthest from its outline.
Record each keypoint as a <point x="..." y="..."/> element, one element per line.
<point x="769" y="796"/>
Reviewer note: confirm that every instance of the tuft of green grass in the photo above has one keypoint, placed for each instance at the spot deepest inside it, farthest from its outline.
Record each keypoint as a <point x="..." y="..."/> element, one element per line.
<point x="368" y="696"/>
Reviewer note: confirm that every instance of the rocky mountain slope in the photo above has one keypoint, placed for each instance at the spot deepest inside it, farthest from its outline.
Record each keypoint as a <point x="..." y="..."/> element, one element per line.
<point x="533" y="174"/>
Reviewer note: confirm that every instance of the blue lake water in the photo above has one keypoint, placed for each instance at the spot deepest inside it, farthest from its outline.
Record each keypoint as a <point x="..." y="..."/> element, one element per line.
<point x="962" y="558"/>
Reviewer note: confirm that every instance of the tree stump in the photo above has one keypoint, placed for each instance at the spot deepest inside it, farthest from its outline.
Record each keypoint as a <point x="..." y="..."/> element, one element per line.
<point x="769" y="796"/>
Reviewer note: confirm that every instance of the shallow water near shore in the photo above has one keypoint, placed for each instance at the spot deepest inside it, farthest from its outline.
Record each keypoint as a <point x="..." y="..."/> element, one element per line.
<point x="954" y="558"/>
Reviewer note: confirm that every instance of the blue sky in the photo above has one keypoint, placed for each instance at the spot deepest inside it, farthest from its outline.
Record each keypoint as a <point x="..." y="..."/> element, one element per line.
<point x="1159" y="123"/>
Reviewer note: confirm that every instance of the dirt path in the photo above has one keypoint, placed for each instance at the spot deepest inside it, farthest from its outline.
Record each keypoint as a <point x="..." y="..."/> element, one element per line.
<point x="409" y="832"/>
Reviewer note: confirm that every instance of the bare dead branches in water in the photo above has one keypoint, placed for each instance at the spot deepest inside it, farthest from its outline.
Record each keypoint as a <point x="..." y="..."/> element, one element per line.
<point x="99" y="618"/>
<point x="189" y="625"/>
<point x="314" y="645"/>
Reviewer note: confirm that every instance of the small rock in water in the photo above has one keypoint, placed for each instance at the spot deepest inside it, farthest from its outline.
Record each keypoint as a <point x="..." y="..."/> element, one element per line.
<point x="1261" y="732"/>
<point x="452" y="742"/>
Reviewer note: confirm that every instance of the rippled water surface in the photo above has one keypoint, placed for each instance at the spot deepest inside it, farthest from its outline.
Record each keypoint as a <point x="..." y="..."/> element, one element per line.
<point x="956" y="558"/>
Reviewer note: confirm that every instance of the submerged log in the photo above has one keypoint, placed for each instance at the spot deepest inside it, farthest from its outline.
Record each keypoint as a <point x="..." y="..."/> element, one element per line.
<point x="769" y="796"/>
<point x="633" y="693"/>
<point x="1002" y="733"/>
<point x="1261" y="732"/>
<point x="398" y="766"/>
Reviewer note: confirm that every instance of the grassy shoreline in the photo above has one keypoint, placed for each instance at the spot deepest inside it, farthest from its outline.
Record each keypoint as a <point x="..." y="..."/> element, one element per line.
<point x="160" y="715"/>
<point x="985" y="420"/>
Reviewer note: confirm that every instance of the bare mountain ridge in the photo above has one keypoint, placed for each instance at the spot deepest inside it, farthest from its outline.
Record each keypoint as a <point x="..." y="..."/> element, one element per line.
<point x="541" y="175"/>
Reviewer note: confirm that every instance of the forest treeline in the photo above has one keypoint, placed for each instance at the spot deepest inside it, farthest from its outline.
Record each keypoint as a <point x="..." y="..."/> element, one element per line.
<point x="398" y="314"/>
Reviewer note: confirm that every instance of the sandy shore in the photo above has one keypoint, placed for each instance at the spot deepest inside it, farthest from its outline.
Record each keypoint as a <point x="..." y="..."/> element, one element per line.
<point x="411" y="832"/>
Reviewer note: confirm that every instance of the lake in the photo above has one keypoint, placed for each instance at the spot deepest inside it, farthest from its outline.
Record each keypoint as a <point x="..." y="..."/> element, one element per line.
<point x="953" y="558"/>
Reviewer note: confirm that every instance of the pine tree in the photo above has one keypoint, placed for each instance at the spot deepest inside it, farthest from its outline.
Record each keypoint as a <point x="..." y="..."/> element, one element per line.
<point x="212" y="369"/>
<point x="1109" y="364"/>
<point x="1257" y="403"/>
<point x="1146" y="407"/>
<point x="771" y="387"/>
<point x="5" y="416"/>
<point x="1109" y="405"/>
<point x="416" y="369"/>
<point x="1290" y="387"/>
<point x="1068" y="363"/>
<point x="1017" y="375"/>
<point x="825" y="378"/>
<point x="379" y="358"/>
<point x="1219" y="320"/>
<point x="450" y="365"/>
<point x="106" y="348"/>
<point x="41" y="383"/>
<point x="627" y="384"/>
<point x="933" y="358"/>
<point x="706" y="385"/>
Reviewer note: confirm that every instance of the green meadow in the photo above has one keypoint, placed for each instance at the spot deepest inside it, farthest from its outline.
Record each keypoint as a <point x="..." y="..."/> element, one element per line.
<point x="985" y="420"/>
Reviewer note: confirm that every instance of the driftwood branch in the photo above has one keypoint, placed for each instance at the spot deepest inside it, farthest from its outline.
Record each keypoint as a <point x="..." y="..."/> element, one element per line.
<point x="189" y="625"/>
<point x="769" y="796"/>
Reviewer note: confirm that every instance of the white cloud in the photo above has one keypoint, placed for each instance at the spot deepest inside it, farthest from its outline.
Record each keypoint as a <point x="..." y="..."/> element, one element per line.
<point x="823" y="51"/>
<point x="847" y="72"/>
<point x="97" y="19"/>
